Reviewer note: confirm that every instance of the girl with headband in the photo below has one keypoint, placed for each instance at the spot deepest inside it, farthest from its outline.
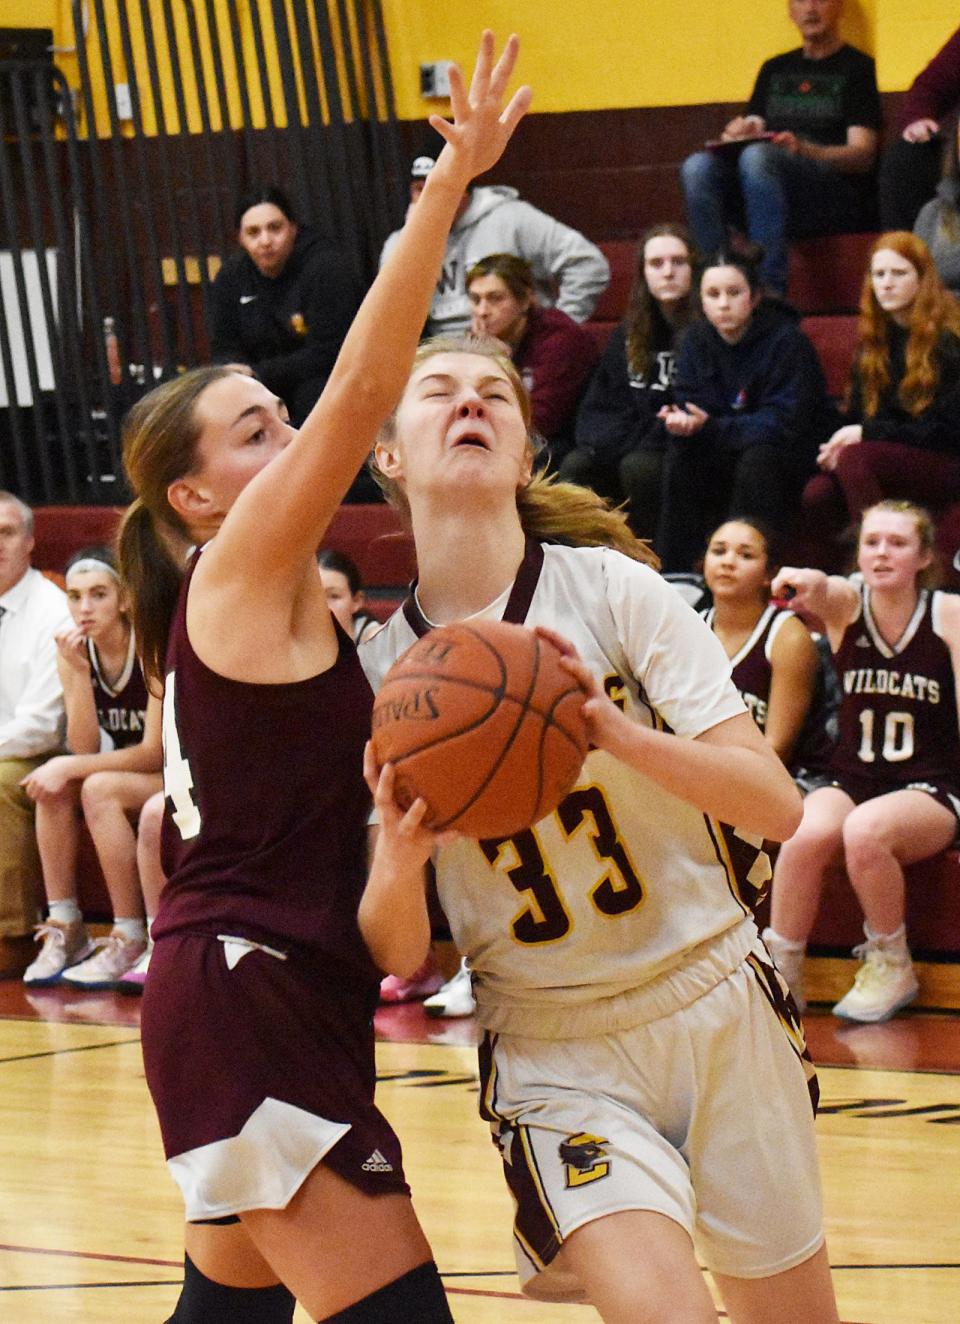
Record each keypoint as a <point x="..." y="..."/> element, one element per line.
<point x="113" y="734"/>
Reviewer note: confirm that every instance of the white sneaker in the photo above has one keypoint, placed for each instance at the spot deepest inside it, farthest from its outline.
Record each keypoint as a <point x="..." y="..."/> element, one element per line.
<point x="114" y="957"/>
<point x="64" y="945"/>
<point x="883" y="986"/>
<point x="455" y="998"/>
<point x="788" y="957"/>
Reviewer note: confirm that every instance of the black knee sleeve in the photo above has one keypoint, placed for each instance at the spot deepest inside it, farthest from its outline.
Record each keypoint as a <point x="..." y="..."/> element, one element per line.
<point x="202" y="1301"/>
<point x="416" y="1298"/>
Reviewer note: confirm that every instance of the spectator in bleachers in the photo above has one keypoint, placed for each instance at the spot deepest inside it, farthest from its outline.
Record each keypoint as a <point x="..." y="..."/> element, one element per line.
<point x="910" y="166"/>
<point x="894" y="797"/>
<point x="775" y="662"/>
<point x="32" y="610"/>
<point x="553" y="354"/>
<point x="569" y="271"/>
<point x="799" y="160"/>
<point x="344" y="589"/>
<point x="938" y="223"/>
<point x="283" y="305"/>
<point x="750" y="409"/>
<point x="113" y="734"/>
<point x="903" y="434"/>
<point x="620" y="440"/>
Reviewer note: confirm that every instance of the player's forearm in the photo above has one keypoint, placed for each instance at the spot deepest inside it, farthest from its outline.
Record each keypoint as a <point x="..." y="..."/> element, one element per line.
<point x="746" y="787"/>
<point x="393" y="917"/>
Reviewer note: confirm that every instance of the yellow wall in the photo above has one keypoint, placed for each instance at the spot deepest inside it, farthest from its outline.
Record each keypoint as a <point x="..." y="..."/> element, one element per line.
<point x="601" y="54"/>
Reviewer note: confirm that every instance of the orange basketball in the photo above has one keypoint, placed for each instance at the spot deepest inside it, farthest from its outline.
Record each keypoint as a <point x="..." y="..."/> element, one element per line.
<point x="482" y="721"/>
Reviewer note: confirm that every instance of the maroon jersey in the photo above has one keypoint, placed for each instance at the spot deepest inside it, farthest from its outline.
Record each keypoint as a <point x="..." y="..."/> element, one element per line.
<point x="122" y="706"/>
<point x="265" y="832"/>
<point x="898" y="706"/>
<point x="752" y="672"/>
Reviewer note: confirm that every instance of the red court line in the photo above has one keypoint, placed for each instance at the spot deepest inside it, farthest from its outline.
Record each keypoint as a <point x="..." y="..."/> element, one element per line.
<point x="91" y="1255"/>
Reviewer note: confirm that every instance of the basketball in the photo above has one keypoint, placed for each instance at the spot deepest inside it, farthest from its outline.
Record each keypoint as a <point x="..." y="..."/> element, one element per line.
<point x="483" y="722"/>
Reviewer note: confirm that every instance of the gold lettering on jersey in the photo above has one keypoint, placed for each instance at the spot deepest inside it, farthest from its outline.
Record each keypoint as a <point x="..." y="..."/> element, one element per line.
<point x="901" y="685"/>
<point x="584" y="1158"/>
<point x="616" y="691"/>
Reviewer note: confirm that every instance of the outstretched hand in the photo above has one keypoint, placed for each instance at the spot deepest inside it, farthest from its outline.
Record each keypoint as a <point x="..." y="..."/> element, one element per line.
<point x="481" y="128"/>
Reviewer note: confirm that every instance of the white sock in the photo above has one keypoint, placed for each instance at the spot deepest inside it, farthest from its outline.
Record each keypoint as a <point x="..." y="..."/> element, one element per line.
<point x="65" y="912"/>
<point x="788" y="944"/>
<point x="134" y="930"/>
<point x="150" y="919"/>
<point x="894" y="944"/>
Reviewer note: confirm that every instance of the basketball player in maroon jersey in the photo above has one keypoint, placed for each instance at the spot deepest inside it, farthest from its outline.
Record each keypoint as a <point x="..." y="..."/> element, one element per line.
<point x="895" y="797"/>
<point x="257" y="1016"/>
<point x="774" y="661"/>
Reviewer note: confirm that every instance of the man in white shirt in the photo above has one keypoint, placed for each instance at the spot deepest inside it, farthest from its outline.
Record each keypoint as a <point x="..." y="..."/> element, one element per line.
<point x="32" y="610"/>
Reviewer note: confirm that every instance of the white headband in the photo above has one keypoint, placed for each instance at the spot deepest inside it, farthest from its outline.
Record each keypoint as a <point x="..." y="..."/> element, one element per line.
<point x="89" y="563"/>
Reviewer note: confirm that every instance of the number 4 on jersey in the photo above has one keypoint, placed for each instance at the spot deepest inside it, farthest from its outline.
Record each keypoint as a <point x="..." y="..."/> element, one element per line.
<point x="177" y="777"/>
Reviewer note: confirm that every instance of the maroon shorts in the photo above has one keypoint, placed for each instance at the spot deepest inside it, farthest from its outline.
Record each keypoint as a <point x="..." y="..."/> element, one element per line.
<point x="259" y="1069"/>
<point x="860" y="789"/>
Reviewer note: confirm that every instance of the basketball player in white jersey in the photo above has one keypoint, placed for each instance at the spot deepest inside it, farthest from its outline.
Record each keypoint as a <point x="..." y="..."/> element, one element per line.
<point x="642" y="1069"/>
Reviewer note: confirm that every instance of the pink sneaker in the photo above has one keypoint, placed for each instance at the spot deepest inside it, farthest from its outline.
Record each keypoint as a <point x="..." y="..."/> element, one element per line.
<point x="421" y="984"/>
<point x="114" y="956"/>
<point x="135" y="978"/>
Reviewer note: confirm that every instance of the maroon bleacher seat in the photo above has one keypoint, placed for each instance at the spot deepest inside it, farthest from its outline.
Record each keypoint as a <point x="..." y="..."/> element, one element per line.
<point x="373" y="537"/>
<point x="825" y="274"/>
<point x="59" y="531"/>
<point x="622" y="256"/>
<point x="835" y="340"/>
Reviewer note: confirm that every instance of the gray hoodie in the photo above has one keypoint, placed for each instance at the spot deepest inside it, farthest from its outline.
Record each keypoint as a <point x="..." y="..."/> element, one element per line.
<point x="944" y="247"/>
<point x="570" y="272"/>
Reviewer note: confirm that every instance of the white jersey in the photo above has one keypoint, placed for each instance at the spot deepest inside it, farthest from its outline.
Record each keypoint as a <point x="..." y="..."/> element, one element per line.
<point x="572" y="925"/>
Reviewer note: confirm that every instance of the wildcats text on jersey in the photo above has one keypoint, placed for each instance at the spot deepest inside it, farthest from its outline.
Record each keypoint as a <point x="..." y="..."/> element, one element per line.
<point x="883" y="680"/>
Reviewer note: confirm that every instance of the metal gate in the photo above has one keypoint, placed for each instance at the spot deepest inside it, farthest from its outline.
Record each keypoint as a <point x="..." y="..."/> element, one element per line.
<point x="118" y="187"/>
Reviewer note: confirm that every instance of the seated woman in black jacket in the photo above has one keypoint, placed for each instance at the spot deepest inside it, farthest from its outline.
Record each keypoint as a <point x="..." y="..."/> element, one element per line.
<point x="751" y="410"/>
<point x="902" y="437"/>
<point x="283" y="305"/>
<point x="620" y="441"/>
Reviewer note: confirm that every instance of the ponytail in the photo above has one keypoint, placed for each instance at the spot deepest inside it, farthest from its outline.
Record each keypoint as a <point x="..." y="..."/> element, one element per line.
<point x="152" y="577"/>
<point x="160" y="437"/>
<point x="553" y="511"/>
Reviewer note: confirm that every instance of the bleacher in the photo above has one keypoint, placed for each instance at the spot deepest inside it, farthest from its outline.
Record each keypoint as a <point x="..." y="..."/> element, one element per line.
<point x="824" y="284"/>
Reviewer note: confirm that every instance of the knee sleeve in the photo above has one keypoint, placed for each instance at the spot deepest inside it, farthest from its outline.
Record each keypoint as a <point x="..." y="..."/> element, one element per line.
<point x="416" y="1298"/>
<point x="202" y="1301"/>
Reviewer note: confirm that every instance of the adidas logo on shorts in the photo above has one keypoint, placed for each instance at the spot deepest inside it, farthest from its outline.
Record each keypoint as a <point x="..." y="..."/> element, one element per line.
<point x="377" y="1163"/>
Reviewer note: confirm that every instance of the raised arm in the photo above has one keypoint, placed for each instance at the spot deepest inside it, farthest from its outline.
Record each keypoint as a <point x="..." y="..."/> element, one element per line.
<point x="285" y="510"/>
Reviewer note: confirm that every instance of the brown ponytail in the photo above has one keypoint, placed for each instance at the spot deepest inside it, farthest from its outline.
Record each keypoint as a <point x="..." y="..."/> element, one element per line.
<point x="159" y="446"/>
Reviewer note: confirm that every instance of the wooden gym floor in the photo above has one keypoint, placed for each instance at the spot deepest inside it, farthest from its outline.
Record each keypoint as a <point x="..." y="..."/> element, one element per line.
<point x="90" y="1222"/>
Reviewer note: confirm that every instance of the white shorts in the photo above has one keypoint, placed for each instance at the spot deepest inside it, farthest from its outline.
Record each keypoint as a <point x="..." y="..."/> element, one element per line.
<point x="703" y="1115"/>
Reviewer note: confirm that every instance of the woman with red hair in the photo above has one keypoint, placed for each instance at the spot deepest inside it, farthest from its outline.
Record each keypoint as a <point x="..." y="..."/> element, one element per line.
<point x="902" y="438"/>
